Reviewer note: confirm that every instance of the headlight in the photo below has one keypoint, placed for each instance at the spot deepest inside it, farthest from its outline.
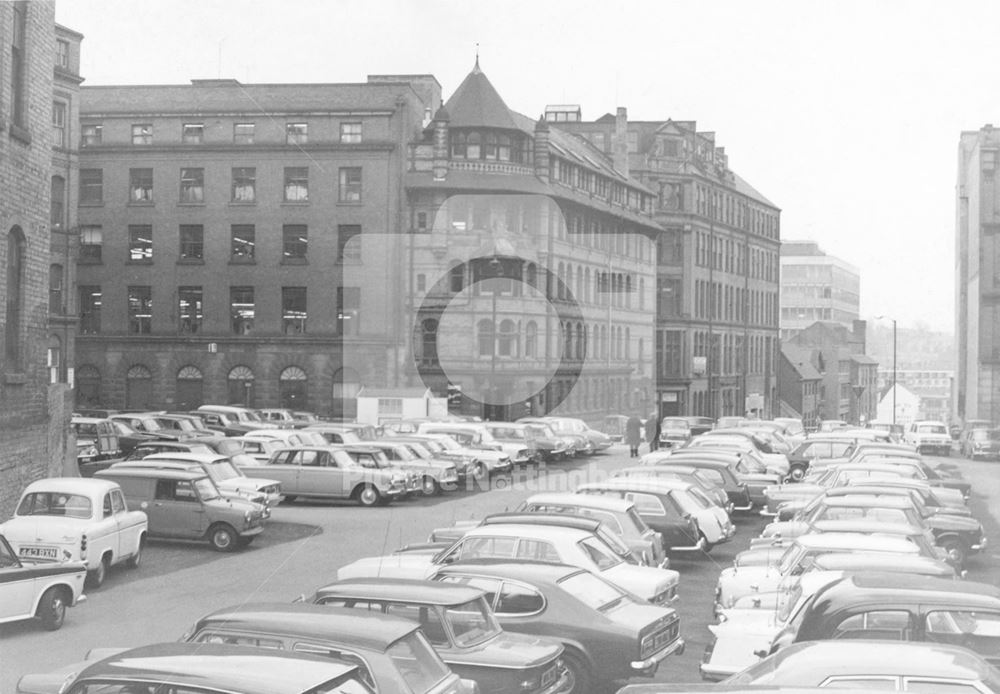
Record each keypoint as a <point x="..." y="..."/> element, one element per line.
<point x="247" y="517"/>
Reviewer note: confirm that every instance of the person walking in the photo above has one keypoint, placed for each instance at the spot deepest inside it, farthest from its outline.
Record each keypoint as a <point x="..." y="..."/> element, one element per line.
<point x="653" y="432"/>
<point x="633" y="435"/>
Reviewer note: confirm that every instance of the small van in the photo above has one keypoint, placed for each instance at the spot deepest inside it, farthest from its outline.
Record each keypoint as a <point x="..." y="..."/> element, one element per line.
<point x="232" y="421"/>
<point x="96" y="439"/>
<point x="186" y="505"/>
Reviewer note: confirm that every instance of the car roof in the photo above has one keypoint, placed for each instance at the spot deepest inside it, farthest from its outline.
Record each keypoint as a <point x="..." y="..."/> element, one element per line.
<point x="656" y="485"/>
<point x="854" y="541"/>
<point x="869" y="501"/>
<point x="605" y="503"/>
<point x="886" y="587"/>
<point x="188" y="457"/>
<point x="403" y="589"/>
<point x="531" y="529"/>
<point x="154" y="472"/>
<point x="880" y="561"/>
<point x="214" y="666"/>
<point x="525" y="570"/>
<point x="869" y="657"/>
<point x="866" y="526"/>
<point x="558" y="520"/>
<point x="369" y="630"/>
<point x="71" y="485"/>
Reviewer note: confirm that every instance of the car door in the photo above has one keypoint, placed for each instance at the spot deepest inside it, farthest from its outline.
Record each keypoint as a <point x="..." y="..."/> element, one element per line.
<point x="977" y="630"/>
<point x="105" y="534"/>
<point x="176" y="510"/>
<point x="283" y="468"/>
<point x="663" y="516"/>
<point x="319" y="473"/>
<point x="17" y="585"/>
<point x="128" y="524"/>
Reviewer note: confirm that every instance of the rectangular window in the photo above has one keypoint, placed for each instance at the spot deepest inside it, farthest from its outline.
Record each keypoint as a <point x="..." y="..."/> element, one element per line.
<point x="192" y="242"/>
<point x="17" y="65"/>
<point x="140" y="243"/>
<point x="241" y="308"/>
<point x="189" y="309"/>
<point x="293" y="310"/>
<point x="140" y="185"/>
<point x="243" y="133"/>
<point x="350" y="184"/>
<point x="244" y="184"/>
<point x="348" y="310"/>
<point x="296" y="133"/>
<point x="350" y="133"/>
<point x="56" y="283"/>
<point x="142" y="134"/>
<point x="192" y="185"/>
<point x="90" y="309"/>
<point x="62" y="53"/>
<point x="58" y="124"/>
<point x="296" y="183"/>
<point x="90" y="244"/>
<point x="243" y="242"/>
<point x="294" y="242"/>
<point x="192" y="133"/>
<point x="421" y="221"/>
<point x="668" y="300"/>
<point x="348" y="248"/>
<point x="91" y="186"/>
<point x="91" y="134"/>
<point x="140" y="310"/>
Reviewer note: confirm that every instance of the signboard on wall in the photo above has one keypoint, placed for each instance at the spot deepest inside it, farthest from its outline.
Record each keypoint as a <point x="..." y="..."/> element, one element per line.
<point x="699" y="365"/>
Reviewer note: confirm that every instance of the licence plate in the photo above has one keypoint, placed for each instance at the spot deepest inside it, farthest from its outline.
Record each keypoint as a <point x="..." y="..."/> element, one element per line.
<point x="29" y="552"/>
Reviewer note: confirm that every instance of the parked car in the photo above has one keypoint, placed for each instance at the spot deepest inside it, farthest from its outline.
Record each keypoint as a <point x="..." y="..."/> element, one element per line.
<point x="618" y="515"/>
<point x="549" y="445"/>
<point x="96" y="439"/>
<point x="76" y="519"/>
<point x="231" y="421"/>
<point x="258" y="449"/>
<point x="435" y="474"/>
<point x="147" y="423"/>
<point x="460" y="624"/>
<point x="892" y="665"/>
<point x="901" y="607"/>
<point x="279" y="417"/>
<point x="186" y="424"/>
<point x="742" y="460"/>
<point x="575" y="443"/>
<point x="719" y="470"/>
<point x="614" y="426"/>
<point x="438" y="448"/>
<point x="392" y="654"/>
<point x="336" y="433"/>
<point x="516" y="440"/>
<point x="609" y="633"/>
<point x="708" y="485"/>
<point x="201" y="668"/>
<point x="699" y="425"/>
<point x="929" y="437"/>
<point x="803" y="455"/>
<point x="596" y="441"/>
<point x="680" y="512"/>
<point x="35" y="589"/>
<point x="674" y="431"/>
<point x="186" y="505"/>
<point x="148" y="448"/>
<point x="578" y="542"/>
<point x="472" y="436"/>
<point x="980" y="443"/>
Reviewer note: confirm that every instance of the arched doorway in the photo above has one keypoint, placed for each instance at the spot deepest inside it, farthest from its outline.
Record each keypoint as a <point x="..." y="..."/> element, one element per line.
<point x="139" y="388"/>
<point x="240" y="386"/>
<point x="293" y="391"/>
<point x="190" y="388"/>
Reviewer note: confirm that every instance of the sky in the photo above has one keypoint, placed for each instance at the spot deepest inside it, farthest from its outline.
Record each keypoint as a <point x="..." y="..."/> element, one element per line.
<point x="845" y="114"/>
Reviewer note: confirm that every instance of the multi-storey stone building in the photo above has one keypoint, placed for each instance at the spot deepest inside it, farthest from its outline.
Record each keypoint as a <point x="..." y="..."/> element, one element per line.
<point x="532" y="265"/>
<point x="33" y="418"/>
<point x="717" y="265"/>
<point x="241" y="243"/>
<point x="816" y="286"/>
<point x="977" y="276"/>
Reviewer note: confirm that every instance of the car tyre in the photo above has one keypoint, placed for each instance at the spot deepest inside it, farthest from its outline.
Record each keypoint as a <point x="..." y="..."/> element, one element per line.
<point x="223" y="538"/>
<point x="796" y="474"/>
<point x="479" y="472"/>
<point x="368" y="496"/>
<point x="579" y="673"/>
<point x="956" y="550"/>
<point x="96" y="577"/>
<point x="430" y="487"/>
<point x="52" y="608"/>
<point x="708" y="546"/>
<point x="135" y="560"/>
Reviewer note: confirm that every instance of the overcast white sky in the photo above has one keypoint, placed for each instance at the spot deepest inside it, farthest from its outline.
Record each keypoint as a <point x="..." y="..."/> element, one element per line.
<point x="845" y="114"/>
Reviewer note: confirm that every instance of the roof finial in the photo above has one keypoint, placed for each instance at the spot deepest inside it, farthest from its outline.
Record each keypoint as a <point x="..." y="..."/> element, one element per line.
<point x="476" y="68"/>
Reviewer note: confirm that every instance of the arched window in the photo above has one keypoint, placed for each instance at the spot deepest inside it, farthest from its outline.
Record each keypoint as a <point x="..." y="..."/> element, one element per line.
<point x="628" y="350"/>
<point x="580" y="341"/>
<point x="568" y="281"/>
<point x="139" y="388"/>
<point x="346" y="386"/>
<point x="531" y="339"/>
<point x="532" y="275"/>
<point x="507" y="343"/>
<point x="579" y="284"/>
<point x="642" y="294"/>
<point x="293" y="391"/>
<point x="457" y="278"/>
<point x="561" y="288"/>
<point x="56" y="305"/>
<point x="587" y="297"/>
<point x="567" y="340"/>
<point x="57" y="207"/>
<point x="190" y="388"/>
<point x="88" y="386"/>
<point x="15" y="300"/>
<point x="241" y="386"/>
<point x="484" y="331"/>
<point x="628" y="291"/>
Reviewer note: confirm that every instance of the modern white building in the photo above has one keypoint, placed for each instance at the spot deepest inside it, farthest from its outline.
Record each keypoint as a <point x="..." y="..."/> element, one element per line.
<point x="816" y="286"/>
<point x="906" y="402"/>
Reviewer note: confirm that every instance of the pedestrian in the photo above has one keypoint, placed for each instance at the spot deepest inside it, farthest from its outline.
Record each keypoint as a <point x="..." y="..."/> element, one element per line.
<point x="653" y="432"/>
<point x="633" y="435"/>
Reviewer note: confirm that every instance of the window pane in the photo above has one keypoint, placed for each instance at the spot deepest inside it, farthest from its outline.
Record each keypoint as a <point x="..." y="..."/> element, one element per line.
<point x="193" y="185"/>
<point x="189" y="309"/>
<point x="295" y="241"/>
<point x="140" y="310"/>
<point x="91" y="186"/>
<point x="142" y="134"/>
<point x="141" y="185"/>
<point x="243" y="242"/>
<point x="296" y="184"/>
<point x="296" y="133"/>
<point x="293" y="310"/>
<point x="242" y="309"/>
<point x="244" y="184"/>
<point x="350" y="132"/>
<point x="350" y="184"/>
<point x="243" y="133"/>
<point x="140" y="243"/>
<point x="191" y="133"/>
<point x="192" y="242"/>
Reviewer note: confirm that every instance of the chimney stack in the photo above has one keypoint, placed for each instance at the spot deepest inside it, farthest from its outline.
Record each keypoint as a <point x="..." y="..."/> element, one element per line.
<point x="440" y="156"/>
<point x="541" y="149"/>
<point x="619" y="141"/>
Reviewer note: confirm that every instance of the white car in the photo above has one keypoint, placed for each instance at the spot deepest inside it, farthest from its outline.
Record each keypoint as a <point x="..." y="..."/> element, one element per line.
<point x="559" y="543"/>
<point x="77" y="519"/>
<point x="929" y="437"/>
<point x="36" y="589"/>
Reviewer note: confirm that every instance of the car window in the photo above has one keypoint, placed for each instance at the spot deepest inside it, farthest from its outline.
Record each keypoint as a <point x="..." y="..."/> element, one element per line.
<point x="212" y="636"/>
<point x="283" y="458"/>
<point x="598" y="553"/>
<point x="930" y="686"/>
<point x="490" y="586"/>
<point x="976" y="630"/>
<point x="646" y="503"/>
<point x="307" y="458"/>
<point x="538" y="550"/>
<point x="425" y="615"/>
<point x="107" y="509"/>
<point x="840" y="449"/>
<point x="487" y="547"/>
<point x="887" y="683"/>
<point x="55" y="504"/>
<point x="517" y="599"/>
<point x="417" y="662"/>
<point x="7" y="558"/>
<point x="877" y="624"/>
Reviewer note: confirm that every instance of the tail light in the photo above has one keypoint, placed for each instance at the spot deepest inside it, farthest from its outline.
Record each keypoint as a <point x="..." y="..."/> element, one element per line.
<point x="83" y="546"/>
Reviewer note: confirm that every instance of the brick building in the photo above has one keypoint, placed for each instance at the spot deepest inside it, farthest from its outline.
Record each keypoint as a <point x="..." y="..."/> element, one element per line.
<point x="532" y="265"/>
<point x="799" y="384"/>
<point x="717" y="265"/>
<point x="33" y="419"/>
<point x="239" y="243"/>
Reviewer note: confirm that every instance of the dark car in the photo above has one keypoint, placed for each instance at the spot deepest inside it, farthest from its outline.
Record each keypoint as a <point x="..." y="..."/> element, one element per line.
<point x="463" y="630"/>
<point x="699" y="425"/>
<point x="146" y="423"/>
<point x="608" y="634"/>
<point x="201" y="669"/>
<point x="719" y="471"/>
<point x="150" y="447"/>
<point x="903" y="608"/>
<point x="816" y="449"/>
<point x="393" y="655"/>
<point x="129" y="438"/>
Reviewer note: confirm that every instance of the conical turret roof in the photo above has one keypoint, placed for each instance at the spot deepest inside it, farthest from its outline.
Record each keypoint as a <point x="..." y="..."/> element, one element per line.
<point x="476" y="104"/>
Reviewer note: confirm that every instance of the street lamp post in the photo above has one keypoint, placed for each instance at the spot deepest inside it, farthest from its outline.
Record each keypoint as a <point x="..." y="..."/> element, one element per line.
<point x="496" y="266"/>
<point x="893" y="366"/>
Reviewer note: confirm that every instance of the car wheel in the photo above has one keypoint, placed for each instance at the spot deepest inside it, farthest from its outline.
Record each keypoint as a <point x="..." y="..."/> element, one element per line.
<point x="579" y="674"/>
<point x="796" y="474"/>
<point x="52" y="608"/>
<point x="430" y="487"/>
<point x="95" y="577"/>
<point x="369" y="496"/>
<point x="136" y="559"/>
<point x="223" y="538"/>
<point x="479" y="472"/>
<point x="956" y="550"/>
<point x="708" y="546"/>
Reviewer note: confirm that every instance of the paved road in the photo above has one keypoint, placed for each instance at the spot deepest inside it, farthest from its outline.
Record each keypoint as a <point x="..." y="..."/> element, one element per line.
<point x="306" y="542"/>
